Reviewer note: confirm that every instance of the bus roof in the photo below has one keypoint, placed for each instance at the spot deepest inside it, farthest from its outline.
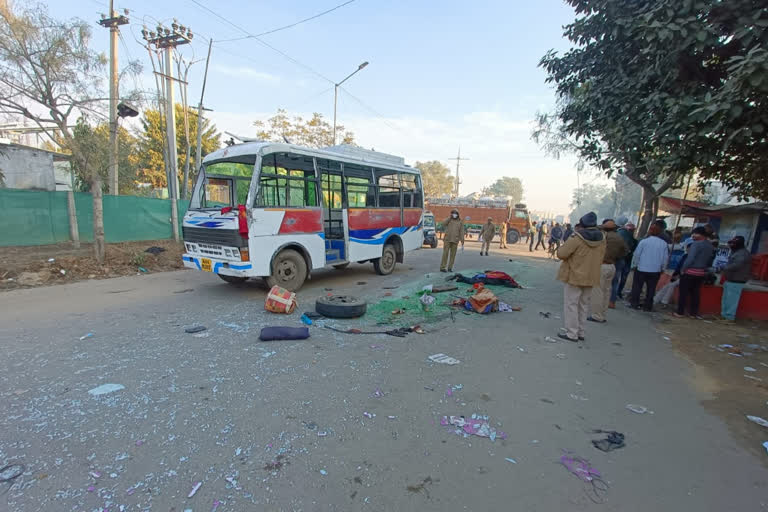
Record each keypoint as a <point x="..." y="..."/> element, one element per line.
<point x="344" y="153"/>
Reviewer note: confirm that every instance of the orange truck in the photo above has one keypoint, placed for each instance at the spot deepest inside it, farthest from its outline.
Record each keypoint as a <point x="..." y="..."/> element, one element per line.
<point x="475" y="214"/>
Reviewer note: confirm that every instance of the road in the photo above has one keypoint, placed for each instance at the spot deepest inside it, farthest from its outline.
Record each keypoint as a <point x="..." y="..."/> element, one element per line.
<point x="281" y="425"/>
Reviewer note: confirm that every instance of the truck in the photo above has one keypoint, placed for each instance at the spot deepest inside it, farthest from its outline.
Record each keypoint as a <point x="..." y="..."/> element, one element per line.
<point x="475" y="213"/>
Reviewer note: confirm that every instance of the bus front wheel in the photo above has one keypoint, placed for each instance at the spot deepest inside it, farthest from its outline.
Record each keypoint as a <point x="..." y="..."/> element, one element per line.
<point x="289" y="270"/>
<point x="386" y="264"/>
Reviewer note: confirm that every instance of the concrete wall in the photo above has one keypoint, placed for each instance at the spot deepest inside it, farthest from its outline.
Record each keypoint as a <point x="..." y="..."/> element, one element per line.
<point x="27" y="168"/>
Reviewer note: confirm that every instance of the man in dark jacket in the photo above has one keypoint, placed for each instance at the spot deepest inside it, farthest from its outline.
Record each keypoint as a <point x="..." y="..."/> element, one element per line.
<point x="567" y="233"/>
<point x="694" y="271"/>
<point x="556" y="236"/>
<point x="542" y="235"/>
<point x="627" y="232"/>
<point x="737" y="272"/>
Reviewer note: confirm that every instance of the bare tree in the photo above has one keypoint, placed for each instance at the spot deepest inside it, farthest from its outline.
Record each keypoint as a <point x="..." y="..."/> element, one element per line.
<point x="49" y="75"/>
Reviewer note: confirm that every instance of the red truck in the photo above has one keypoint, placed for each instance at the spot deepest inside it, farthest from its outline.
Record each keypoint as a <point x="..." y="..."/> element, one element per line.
<point x="475" y="213"/>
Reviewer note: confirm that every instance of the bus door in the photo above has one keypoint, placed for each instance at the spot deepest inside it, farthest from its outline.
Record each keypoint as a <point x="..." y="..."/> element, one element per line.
<point x="332" y="192"/>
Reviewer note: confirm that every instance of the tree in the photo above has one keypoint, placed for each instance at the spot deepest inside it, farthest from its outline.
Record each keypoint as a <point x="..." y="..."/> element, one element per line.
<point x="506" y="186"/>
<point x="436" y="178"/>
<point x="95" y="143"/>
<point x="591" y="198"/>
<point x="49" y="75"/>
<point x="313" y="133"/>
<point x="152" y="141"/>
<point x="644" y="92"/>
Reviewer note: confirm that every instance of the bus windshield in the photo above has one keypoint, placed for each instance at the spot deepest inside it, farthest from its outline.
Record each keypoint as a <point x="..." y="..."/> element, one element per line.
<point x="224" y="183"/>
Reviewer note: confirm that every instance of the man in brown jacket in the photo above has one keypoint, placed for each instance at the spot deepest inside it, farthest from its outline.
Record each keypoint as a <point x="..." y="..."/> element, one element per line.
<point x="486" y="235"/>
<point x="615" y="249"/>
<point x="453" y="234"/>
<point x="582" y="256"/>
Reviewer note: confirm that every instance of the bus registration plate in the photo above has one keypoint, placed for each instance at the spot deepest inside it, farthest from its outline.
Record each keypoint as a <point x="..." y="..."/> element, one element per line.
<point x="206" y="265"/>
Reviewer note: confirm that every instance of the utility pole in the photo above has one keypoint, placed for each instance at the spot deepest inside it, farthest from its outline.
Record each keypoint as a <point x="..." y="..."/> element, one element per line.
<point x="198" y="154"/>
<point x="168" y="40"/>
<point x="113" y="22"/>
<point x="458" y="181"/>
<point x="336" y="96"/>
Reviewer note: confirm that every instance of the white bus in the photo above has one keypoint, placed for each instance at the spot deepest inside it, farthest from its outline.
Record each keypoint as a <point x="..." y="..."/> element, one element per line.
<point x="279" y="211"/>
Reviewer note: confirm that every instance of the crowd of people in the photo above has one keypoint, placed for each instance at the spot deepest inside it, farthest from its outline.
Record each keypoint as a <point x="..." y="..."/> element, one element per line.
<point x="598" y="260"/>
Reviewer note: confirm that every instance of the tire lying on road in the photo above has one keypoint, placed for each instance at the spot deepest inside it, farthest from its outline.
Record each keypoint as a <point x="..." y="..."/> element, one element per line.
<point x="341" y="306"/>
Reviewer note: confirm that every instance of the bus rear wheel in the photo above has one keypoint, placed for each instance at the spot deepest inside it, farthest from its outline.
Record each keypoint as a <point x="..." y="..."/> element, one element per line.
<point x="233" y="279"/>
<point x="386" y="264"/>
<point x="289" y="270"/>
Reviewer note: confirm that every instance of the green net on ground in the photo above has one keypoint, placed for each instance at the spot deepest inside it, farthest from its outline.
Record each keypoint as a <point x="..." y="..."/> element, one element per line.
<point x="406" y="300"/>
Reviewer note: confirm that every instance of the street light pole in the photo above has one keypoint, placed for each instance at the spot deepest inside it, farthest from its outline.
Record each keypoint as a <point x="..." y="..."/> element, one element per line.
<point x="336" y="96"/>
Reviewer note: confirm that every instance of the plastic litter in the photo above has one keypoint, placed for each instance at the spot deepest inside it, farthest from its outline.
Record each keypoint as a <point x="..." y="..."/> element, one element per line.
<point x="546" y="314"/>
<point x="369" y="415"/>
<point x="323" y="472"/>
<point x="284" y="333"/>
<point x="506" y="308"/>
<point x="155" y="250"/>
<point x="51" y="260"/>
<point x="513" y="461"/>
<point x="757" y="419"/>
<point x="443" y="359"/>
<point x="749" y="369"/>
<point x="143" y="270"/>
<point x="550" y="339"/>
<point x="583" y="470"/>
<point x="614" y="441"/>
<point x="195" y="328"/>
<point x="426" y="302"/>
<point x="86" y="336"/>
<point x="11" y="472"/>
<point x="765" y="445"/>
<point x="216" y="504"/>
<point x="638" y="409"/>
<point x="195" y="488"/>
<point x="306" y="320"/>
<point x="105" y="388"/>
<point x="476" y="426"/>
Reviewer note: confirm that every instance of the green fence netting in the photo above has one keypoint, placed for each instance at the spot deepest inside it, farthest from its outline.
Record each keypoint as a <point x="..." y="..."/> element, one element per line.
<point x="33" y="217"/>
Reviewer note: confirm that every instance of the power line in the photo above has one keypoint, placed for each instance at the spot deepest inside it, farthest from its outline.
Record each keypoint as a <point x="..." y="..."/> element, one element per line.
<point x="373" y="111"/>
<point x="263" y="43"/>
<point x="291" y="25"/>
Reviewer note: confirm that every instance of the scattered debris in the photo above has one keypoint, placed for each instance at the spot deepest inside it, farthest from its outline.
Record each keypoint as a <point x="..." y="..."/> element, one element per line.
<point x="583" y="470"/>
<point x="550" y="339"/>
<point x="758" y="379"/>
<point x="86" y="336"/>
<point x="105" y="388"/>
<point x="443" y="359"/>
<point x="749" y="369"/>
<point x="614" y="441"/>
<point x="195" y="488"/>
<point x="11" y="472"/>
<point x="477" y="425"/>
<point x="546" y="314"/>
<point x="155" y="250"/>
<point x="579" y="397"/>
<point x="426" y="302"/>
<point x="506" y="308"/>
<point x="306" y="320"/>
<point x="560" y="356"/>
<point x="195" y="328"/>
<point x="362" y="283"/>
<point x="369" y="415"/>
<point x="757" y="419"/>
<point x="323" y="472"/>
<point x="51" y="260"/>
<point x="513" y="461"/>
<point x="284" y="333"/>
<point x="546" y="401"/>
<point x="638" y="409"/>
<point x="398" y="311"/>
<point x="765" y="445"/>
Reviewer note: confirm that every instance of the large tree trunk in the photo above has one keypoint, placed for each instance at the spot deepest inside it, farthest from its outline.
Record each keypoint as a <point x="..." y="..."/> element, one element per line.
<point x="98" y="219"/>
<point x="648" y="213"/>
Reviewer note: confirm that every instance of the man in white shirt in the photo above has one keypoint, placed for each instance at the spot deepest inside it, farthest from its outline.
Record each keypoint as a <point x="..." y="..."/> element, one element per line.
<point x="648" y="262"/>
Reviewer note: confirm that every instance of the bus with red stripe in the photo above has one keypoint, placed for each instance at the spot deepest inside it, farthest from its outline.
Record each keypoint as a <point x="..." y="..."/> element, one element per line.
<point x="279" y="211"/>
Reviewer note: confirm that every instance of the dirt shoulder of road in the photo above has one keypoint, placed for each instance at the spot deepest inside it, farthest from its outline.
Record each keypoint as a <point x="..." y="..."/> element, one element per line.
<point x="730" y="364"/>
<point x="32" y="266"/>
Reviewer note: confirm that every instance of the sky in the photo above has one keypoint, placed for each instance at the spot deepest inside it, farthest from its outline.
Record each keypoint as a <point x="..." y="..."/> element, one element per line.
<point x="442" y="75"/>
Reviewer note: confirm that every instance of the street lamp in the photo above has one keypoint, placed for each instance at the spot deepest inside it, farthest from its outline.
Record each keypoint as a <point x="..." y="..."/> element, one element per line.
<point x="336" y="96"/>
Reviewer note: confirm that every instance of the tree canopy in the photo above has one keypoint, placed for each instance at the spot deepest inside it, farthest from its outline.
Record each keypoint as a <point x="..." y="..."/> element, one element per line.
<point x="314" y="133"/>
<point x="506" y="186"/>
<point x="436" y="178"/>
<point x="657" y="90"/>
<point x="152" y="140"/>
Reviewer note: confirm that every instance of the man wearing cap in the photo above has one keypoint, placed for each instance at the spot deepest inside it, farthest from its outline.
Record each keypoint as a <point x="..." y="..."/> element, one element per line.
<point x="582" y="256"/>
<point x="615" y="249"/>
<point x="454" y="233"/>
<point x="486" y="235"/>
<point x="737" y="272"/>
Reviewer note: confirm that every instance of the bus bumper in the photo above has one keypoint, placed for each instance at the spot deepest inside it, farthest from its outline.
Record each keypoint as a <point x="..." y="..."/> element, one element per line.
<point x="215" y="266"/>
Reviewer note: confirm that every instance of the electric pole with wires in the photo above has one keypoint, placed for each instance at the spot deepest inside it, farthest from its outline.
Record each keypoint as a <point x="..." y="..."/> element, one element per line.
<point x="167" y="40"/>
<point x="458" y="180"/>
<point x="113" y="22"/>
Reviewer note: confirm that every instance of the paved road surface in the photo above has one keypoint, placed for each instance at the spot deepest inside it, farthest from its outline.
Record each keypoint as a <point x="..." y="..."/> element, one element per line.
<point x="246" y="418"/>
